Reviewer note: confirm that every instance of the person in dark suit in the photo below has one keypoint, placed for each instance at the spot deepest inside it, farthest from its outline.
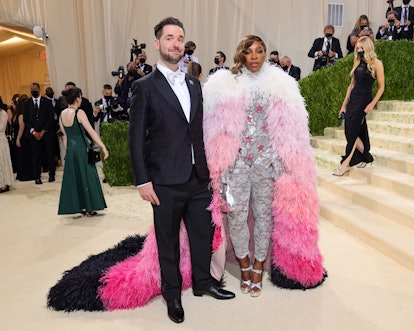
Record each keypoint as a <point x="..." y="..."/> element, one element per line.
<point x="405" y="12"/>
<point x="391" y="30"/>
<point x="40" y="128"/>
<point x="289" y="68"/>
<point x="143" y="68"/>
<point x="169" y="165"/>
<point x="325" y="50"/>
<point x="219" y="60"/>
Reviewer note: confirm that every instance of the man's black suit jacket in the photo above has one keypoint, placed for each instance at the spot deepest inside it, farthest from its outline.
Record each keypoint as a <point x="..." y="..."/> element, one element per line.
<point x="294" y="72"/>
<point x="409" y="33"/>
<point x="43" y="119"/>
<point x="395" y="35"/>
<point x="317" y="46"/>
<point x="213" y="70"/>
<point x="160" y="137"/>
<point x="147" y="69"/>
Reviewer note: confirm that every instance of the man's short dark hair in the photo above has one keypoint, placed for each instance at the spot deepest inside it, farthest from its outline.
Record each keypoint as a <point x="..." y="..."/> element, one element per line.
<point x="274" y="53"/>
<point x="36" y="84"/>
<point x="166" y="21"/>
<point x="222" y="55"/>
<point x="107" y="87"/>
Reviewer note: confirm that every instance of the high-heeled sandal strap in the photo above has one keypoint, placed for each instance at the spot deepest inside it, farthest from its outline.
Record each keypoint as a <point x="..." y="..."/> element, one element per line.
<point x="246" y="269"/>
<point x="245" y="282"/>
<point x="258" y="271"/>
<point x="257" y="285"/>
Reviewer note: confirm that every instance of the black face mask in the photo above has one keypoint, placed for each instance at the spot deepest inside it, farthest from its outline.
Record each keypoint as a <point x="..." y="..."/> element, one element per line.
<point x="107" y="97"/>
<point x="190" y="52"/>
<point x="141" y="60"/>
<point x="35" y="94"/>
<point x="285" y="68"/>
<point x="50" y="94"/>
<point x="216" y="61"/>
<point x="361" y="54"/>
<point x="131" y="72"/>
<point x="328" y="35"/>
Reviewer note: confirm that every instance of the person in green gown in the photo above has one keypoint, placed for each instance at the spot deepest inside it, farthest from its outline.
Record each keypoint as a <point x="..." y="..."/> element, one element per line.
<point x="81" y="190"/>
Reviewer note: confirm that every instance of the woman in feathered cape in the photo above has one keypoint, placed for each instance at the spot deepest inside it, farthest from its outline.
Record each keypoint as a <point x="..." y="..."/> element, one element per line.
<point x="128" y="276"/>
<point x="228" y="96"/>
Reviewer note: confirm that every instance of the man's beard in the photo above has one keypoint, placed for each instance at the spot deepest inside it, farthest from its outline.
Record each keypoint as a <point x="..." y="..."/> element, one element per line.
<point x="169" y="58"/>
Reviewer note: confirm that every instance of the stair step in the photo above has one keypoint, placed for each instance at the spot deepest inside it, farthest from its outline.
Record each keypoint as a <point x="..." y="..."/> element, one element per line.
<point x="391" y="142"/>
<point x="393" y="116"/>
<point x="333" y="149"/>
<point x="381" y="201"/>
<point x="391" y="128"/>
<point x="382" y="177"/>
<point x="395" y="105"/>
<point x="392" y="239"/>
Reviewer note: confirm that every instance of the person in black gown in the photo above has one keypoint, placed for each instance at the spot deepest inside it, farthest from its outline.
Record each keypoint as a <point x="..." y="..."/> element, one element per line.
<point x="358" y="102"/>
<point x="22" y="149"/>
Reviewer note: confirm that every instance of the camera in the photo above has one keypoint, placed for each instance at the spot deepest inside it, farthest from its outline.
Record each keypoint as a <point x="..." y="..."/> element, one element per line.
<point x="120" y="72"/>
<point x="115" y="106"/>
<point x="136" y="49"/>
<point x="391" y="22"/>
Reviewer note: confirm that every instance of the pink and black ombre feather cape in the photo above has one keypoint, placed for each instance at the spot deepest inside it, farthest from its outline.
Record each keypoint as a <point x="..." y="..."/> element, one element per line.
<point x="128" y="276"/>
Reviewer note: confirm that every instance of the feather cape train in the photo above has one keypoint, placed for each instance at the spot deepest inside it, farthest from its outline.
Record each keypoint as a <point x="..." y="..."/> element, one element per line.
<point x="127" y="276"/>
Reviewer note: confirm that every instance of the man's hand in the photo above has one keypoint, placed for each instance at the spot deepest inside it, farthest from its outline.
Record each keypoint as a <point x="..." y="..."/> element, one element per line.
<point x="148" y="194"/>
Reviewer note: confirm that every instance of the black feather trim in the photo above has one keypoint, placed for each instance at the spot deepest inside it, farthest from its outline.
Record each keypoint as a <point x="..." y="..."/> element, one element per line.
<point x="77" y="290"/>
<point x="280" y="280"/>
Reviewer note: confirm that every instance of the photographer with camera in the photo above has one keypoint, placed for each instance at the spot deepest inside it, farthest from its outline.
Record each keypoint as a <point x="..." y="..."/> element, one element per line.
<point x="189" y="49"/>
<point x="142" y="67"/>
<point x="123" y="87"/>
<point x="406" y="14"/>
<point x="274" y="58"/>
<point x="391" y="30"/>
<point x="325" y="50"/>
<point x="107" y="109"/>
<point x="362" y="28"/>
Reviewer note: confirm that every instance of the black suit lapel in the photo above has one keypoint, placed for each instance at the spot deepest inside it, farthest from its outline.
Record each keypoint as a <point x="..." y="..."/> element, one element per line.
<point x="194" y="98"/>
<point x="167" y="92"/>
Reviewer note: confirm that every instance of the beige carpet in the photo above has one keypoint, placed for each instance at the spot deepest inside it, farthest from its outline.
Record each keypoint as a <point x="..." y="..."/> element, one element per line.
<point x="364" y="290"/>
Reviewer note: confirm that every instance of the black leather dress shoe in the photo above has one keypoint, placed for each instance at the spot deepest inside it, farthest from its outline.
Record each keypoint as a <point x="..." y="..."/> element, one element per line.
<point x="175" y="311"/>
<point x="51" y="179"/>
<point x="5" y="189"/>
<point x="215" y="292"/>
<point x="38" y="181"/>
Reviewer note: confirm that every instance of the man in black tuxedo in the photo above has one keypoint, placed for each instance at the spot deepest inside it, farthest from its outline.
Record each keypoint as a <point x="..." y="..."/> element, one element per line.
<point x="289" y="68"/>
<point x="391" y="30"/>
<point x="41" y="130"/>
<point x="325" y="50"/>
<point x="143" y="68"/>
<point x="219" y="60"/>
<point x="405" y="13"/>
<point x="169" y="166"/>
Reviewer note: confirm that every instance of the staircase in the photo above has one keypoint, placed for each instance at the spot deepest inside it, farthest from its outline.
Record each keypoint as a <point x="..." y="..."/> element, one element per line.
<point x="374" y="204"/>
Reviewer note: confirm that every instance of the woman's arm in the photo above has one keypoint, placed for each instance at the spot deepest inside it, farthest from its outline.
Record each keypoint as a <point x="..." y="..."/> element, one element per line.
<point x="379" y="73"/>
<point x="348" y="93"/>
<point x="62" y="128"/>
<point x="82" y="118"/>
<point x="21" y="130"/>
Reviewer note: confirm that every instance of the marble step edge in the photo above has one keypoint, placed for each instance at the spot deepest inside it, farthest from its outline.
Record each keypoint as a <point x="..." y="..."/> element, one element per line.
<point x="383" y="202"/>
<point x="390" y="238"/>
